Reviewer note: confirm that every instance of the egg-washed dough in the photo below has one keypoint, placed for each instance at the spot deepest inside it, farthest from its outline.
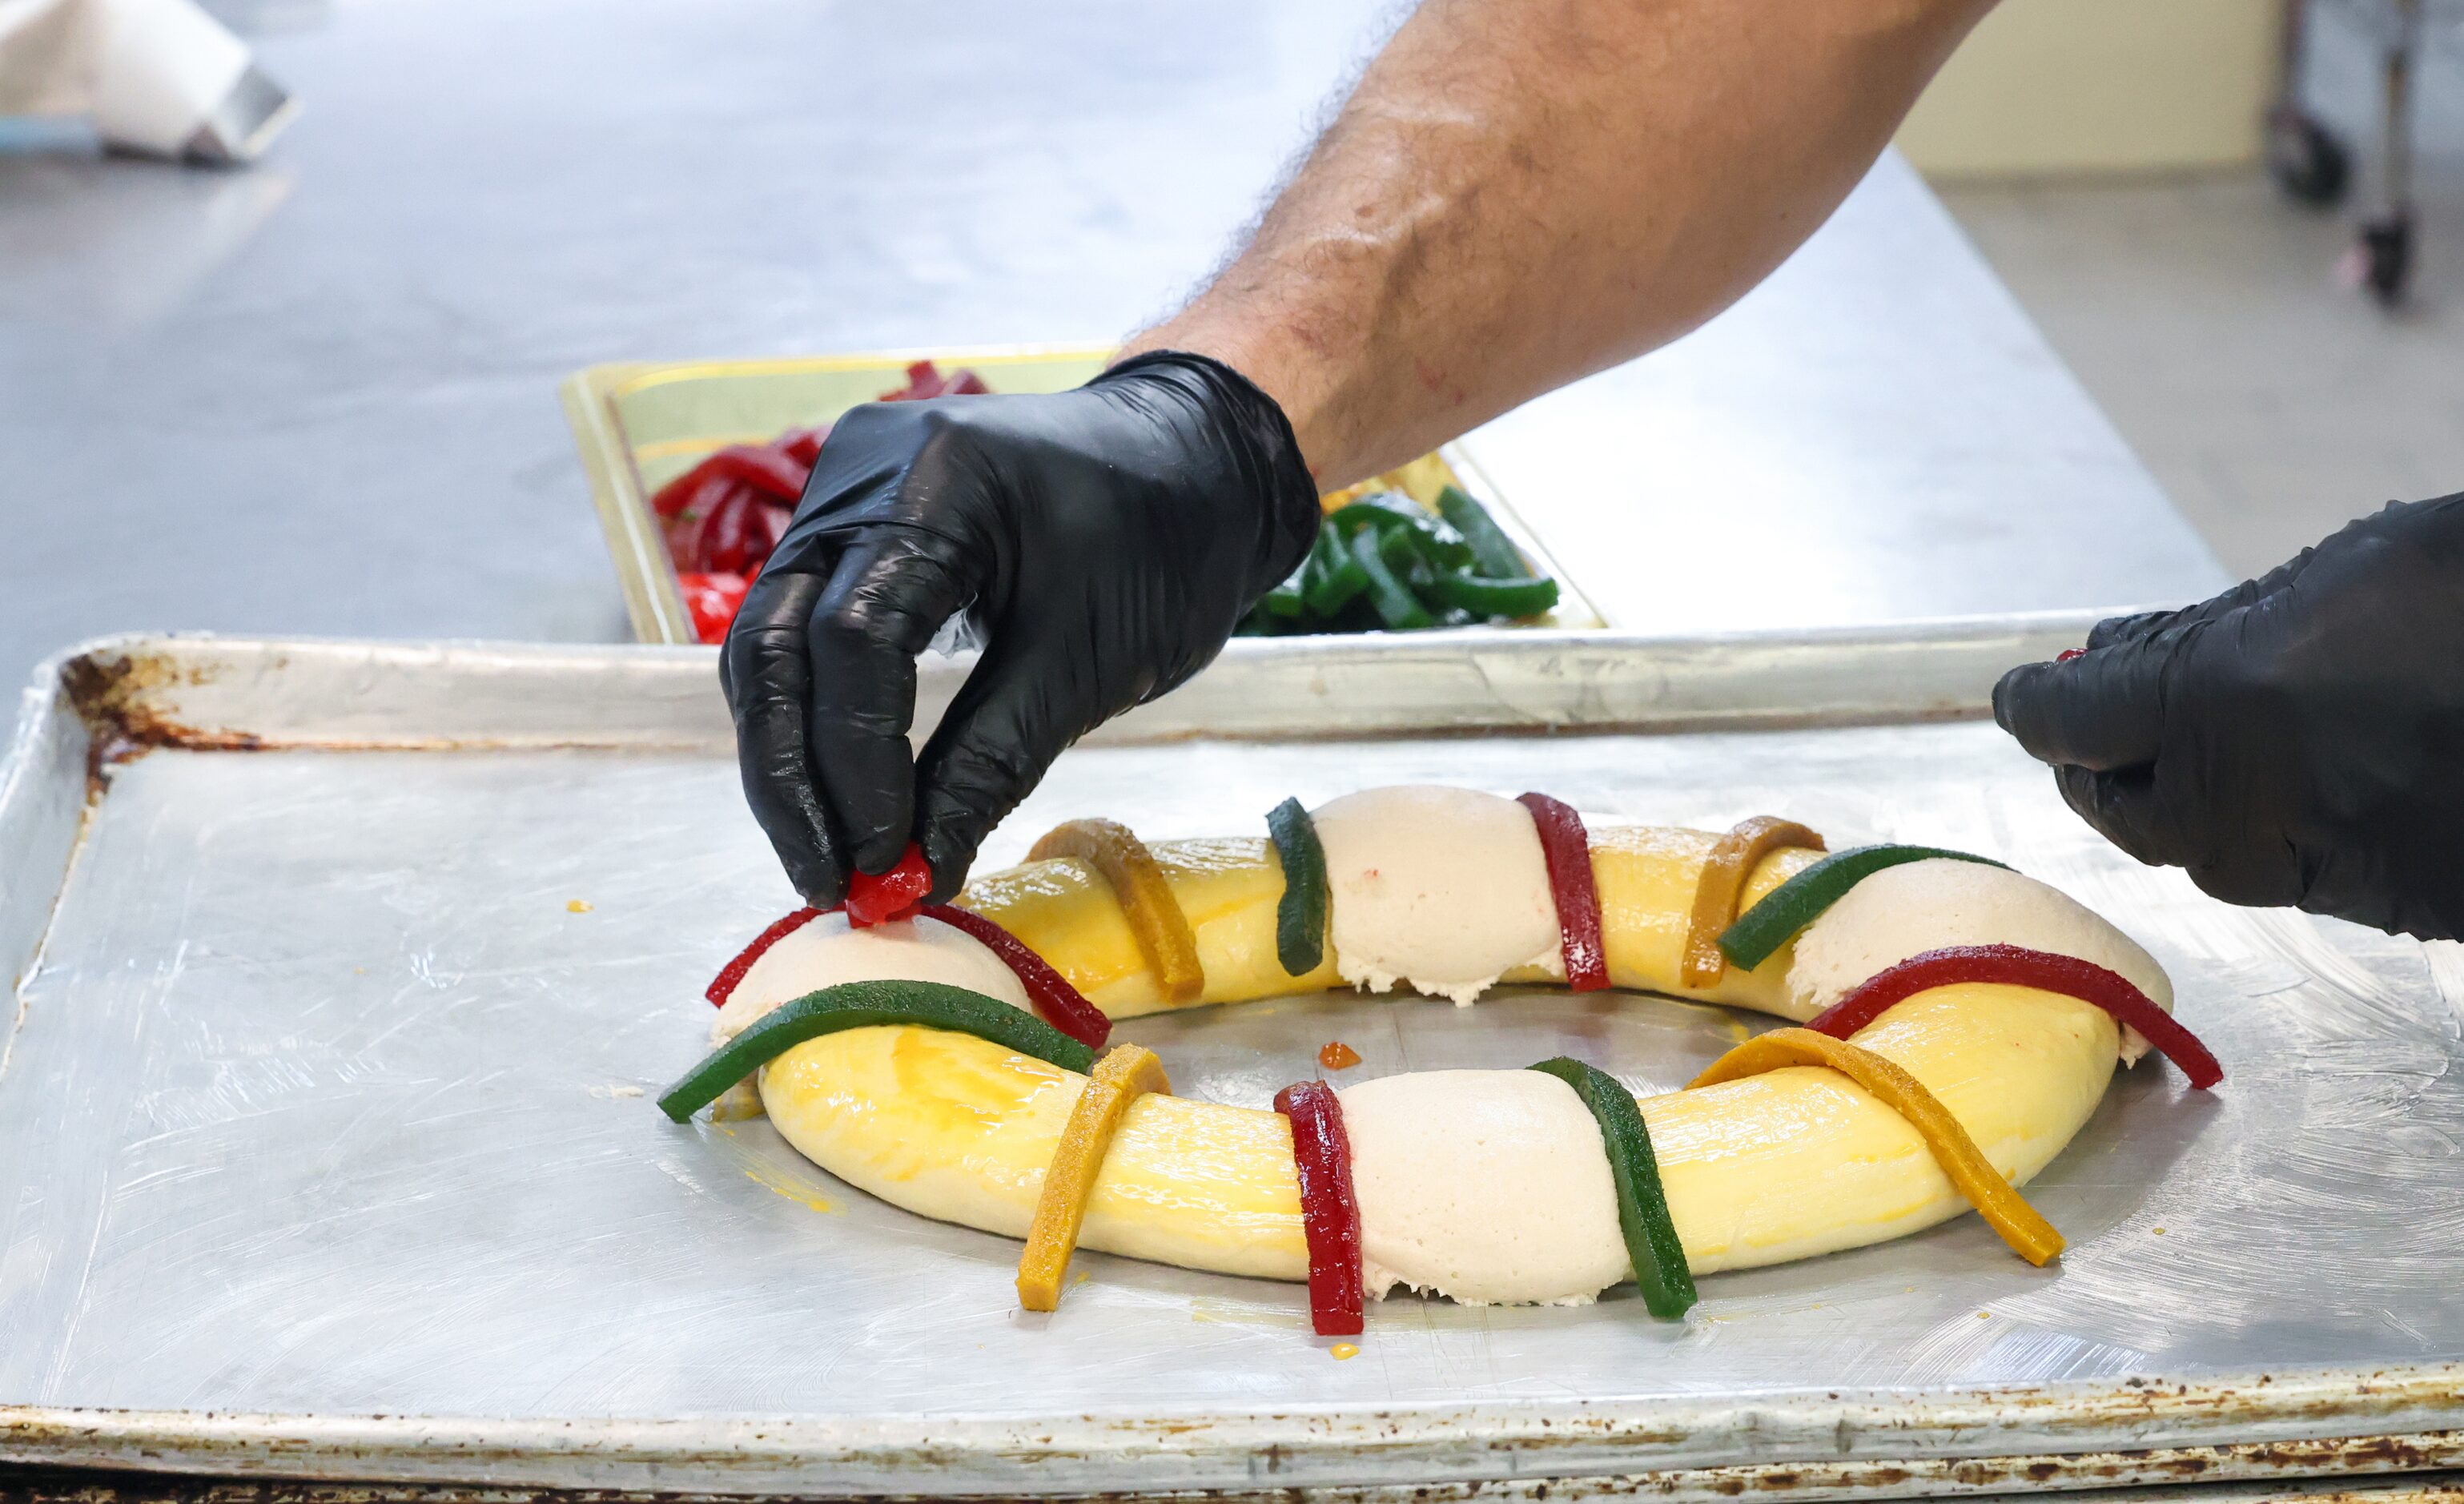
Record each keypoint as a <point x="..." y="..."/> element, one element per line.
<point x="1785" y="1165"/>
<point x="1446" y="889"/>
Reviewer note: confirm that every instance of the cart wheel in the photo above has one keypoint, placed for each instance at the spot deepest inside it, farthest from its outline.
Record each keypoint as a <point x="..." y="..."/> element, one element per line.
<point x="2383" y="257"/>
<point x="2308" y="163"/>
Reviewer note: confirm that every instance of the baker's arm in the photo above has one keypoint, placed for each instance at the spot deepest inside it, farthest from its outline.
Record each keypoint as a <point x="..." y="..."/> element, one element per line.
<point x="1519" y="193"/>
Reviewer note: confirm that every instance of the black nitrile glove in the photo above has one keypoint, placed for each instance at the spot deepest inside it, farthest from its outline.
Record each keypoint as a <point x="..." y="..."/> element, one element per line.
<point x="1105" y="541"/>
<point x="2298" y="740"/>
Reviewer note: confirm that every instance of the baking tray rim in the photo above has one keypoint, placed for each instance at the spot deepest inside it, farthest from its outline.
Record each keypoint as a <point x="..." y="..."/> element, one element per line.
<point x="2390" y="1414"/>
<point x="131" y="686"/>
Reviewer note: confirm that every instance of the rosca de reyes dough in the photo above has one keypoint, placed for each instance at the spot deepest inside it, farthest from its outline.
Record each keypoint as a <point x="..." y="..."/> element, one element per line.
<point x="1953" y="1024"/>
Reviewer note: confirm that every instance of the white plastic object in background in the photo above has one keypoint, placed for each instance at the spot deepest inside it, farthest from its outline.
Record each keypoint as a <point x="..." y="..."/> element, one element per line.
<point x="48" y="51"/>
<point x="166" y="64"/>
<point x="159" y="77"/>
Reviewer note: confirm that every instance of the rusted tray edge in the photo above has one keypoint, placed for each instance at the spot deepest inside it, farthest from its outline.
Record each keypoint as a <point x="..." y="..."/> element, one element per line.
<point x="2248" y="1479"/>
<point x="2356" y="1470"/>
<point x="1814" y="1445"/>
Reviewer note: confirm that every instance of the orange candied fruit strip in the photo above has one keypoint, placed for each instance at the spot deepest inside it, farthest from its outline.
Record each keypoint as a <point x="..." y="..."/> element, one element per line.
<point x="1722" y="883"/>
<point x="1120" y="1077"/>
<point x="1162" y="930"/>
<point x="2021" y="1226"/>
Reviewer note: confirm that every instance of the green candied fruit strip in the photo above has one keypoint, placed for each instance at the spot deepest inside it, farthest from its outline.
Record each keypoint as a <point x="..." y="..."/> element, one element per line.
<point x="1659" y="1268"/>
<point x="1285" y="600"/>
<point x="1410" y="563"/>
<point x="1391" y="512"/>
<point x="1482" y="596"/>
<point x="1299" y="913"/>
<point x="1397" y="607"/>
<point x="1493" y="553"/>
<point x="1799" y="901"/>
<point x="863" y="1004"/>
<point x="1330" y="578"/>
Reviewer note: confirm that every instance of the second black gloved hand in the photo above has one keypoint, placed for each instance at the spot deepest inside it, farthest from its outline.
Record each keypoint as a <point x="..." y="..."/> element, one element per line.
<point x="1106" y="540"/>
<point x="2298" y="740"/>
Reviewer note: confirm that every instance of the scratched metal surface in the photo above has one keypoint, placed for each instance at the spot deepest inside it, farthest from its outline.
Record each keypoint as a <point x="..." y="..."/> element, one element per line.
<point x="324" y="1101"/>
<point x="83" y="1486"/>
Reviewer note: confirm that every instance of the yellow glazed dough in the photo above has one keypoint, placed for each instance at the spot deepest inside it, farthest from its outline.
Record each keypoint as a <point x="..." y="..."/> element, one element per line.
<point x="1779" y="1166"/>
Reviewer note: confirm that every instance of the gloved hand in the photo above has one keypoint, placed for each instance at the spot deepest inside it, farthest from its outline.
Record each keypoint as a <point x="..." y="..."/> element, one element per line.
<point x="1106" y="540"/>
<point x="2298" y="740"/>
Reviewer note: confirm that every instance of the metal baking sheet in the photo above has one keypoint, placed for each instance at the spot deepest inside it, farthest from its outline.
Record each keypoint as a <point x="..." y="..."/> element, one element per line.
<point x="325" y="1152"/>
<point x="638" y="425"/>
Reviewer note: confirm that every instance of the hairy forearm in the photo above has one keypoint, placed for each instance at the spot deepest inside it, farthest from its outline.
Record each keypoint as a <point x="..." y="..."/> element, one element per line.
<point x="1521" y="193"/>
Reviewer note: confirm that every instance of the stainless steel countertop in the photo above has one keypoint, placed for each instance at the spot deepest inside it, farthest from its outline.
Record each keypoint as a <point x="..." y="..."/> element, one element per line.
<point x="319" y="396"/>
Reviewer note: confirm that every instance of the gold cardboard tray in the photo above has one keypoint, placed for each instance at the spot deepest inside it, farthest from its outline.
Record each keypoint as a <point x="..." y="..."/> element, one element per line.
<point x="640" y="425"/>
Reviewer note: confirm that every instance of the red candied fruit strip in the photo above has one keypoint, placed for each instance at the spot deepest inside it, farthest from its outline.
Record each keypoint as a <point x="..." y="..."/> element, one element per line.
<point x="712" y="599"/>
<point x="877" y="898"/>
<point x="765" y="467"/>
<point x="673" y="498"/>
<point x="761" y="467"/>
<point x="687" y="531"/>
<point x="729" y="541"/>
<point x="2016" y="966"/>
<point x="1567" y="847"/>
<point x="723" y="985"/>
<point x="1330" y="1215"/>
<point x="1061" y="1005"/>
<point x="925" y="380"/>
<point x="802" y="446"/>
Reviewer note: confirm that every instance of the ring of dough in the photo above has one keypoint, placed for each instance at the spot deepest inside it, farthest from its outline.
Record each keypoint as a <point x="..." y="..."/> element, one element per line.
<point x="1779" y="1166"/>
